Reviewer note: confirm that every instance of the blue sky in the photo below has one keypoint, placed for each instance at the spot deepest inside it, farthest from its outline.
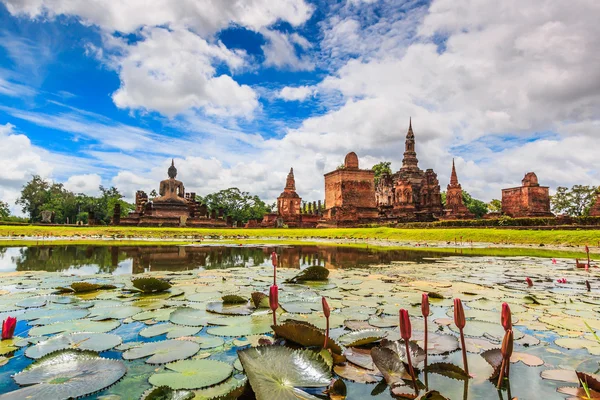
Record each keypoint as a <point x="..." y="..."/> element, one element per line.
<point x="240" y="91"/>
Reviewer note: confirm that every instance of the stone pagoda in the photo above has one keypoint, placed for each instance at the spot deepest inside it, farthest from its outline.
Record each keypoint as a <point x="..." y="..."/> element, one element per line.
<point x="410" y="194"/>
<point x="595" y="209"/>
<point x="455" y="208"/>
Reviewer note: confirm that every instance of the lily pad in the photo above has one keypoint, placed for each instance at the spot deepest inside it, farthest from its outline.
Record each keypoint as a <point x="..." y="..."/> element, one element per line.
<point x="360" y="338"/>
<point x="173" y="331"/>
<point x="390" y="365"/>
<point x="151" y="285"/>
<point x="163" y="352"/>
<point x="43" y="316"/>
<point x="276" y="372"/>
<point x="192" y="374"/>
<point x="314" y="273"/>
<point x="357" y="374"/>
<point x="220" y="307"/>
<point x="66" y="375"/>
<point x="82" y="325"/>
<point x="74" y="341"/>
<point x="305" y="335"/>
<point x="189" y="317"/>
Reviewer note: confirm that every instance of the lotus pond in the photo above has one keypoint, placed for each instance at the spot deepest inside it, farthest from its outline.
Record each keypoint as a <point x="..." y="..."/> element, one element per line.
<point x="194" y="322"/>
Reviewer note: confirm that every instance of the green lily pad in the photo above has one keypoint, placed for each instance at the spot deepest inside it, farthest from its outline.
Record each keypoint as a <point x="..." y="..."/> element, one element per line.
<point x="163" y="352"/>
<point x="256" y="324"/>
<point x="192" y="374"/>
<point x="8" y="346"/>
<point x="66" y="375"/>
<point x="44" y="316"/>
<point x="74" y="341"/>
<point x="190" y="317"/>
<point x="173" y="331"/>
<point x="151" y="285"/>
<point x="161" y="314"/>
<point x="166" y="393"/>
<point x="314" y="273"/>
<point x="220" y="307"/>
<point x="390" y="365"/>
<point x="82" y="325"/>
<point x="230" y="389"/>
<point x="233" y="299"/>
<point x="275" y="372"/>
<point x="305" y="335"/>
<point x="120" y="312"/>
<point x="360" y="338"/>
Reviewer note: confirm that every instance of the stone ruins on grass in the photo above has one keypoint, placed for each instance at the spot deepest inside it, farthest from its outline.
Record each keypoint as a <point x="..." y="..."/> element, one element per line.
<point x="528" y="200"/>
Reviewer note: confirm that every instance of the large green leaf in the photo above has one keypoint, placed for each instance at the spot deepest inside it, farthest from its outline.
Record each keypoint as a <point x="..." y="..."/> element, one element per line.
<point x="275" y="372"/>
<point x="256" y="324"/>
<point x="306" y="335"/>
<point x="82" y="325"/>
<point x="192" y="374"/>
<point x="66" y="375"/>
<point x="173" y="331"/>
<point x="44" y="316"/>
<point x="362" y="337"/>
<point x="190" y="317"/>
<point x="163" y="352"/>
<point x="74" y="341"/>
<point x="120" y="312"/>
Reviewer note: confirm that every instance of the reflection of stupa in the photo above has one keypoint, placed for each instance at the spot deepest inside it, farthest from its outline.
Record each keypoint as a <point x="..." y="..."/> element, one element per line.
<point x="173" y="207"/>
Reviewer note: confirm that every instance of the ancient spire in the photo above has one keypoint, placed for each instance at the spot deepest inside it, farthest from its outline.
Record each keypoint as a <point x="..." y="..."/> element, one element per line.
<point x="290" y="183"/>
<point x="453" y="177"/>
<point x="172" y="170"/>
<point x="410" y="156"/>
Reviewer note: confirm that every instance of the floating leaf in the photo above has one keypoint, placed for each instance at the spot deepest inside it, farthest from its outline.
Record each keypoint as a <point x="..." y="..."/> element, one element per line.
<point x="7" y="346"/>
<point x="151" y="285"/>
<point x="66" y="375"/>
<point x="163" y="352"/>
<point x="189" y="317"/>
<point x="173" y="331"/>
<point x="390" y="365"/>
<point x="233" y="299"/>
<point x="360" y="357"/>
<point x="220" y="307"/>
<point x="75" y="341"/>
<point x="166" y="393"/>
<point x="561" y="375"/>
<point x="120" y="312"/>
<point x="256" y="324"/>
<point x="44" y="316"/>
<point x="527" y="359"/>
<point x="275" y="372"/>
<point x="448" y="370"/>
<point x="433" y="395"/>
<point x="305" y="335"/>
<point x="337" y="390"/>
<point x="494" y="358"/>
<point x="360" y="338"/>
<point x="578" y="392"/>
<point x="82" y="325"/>
<point x="314" y="273"/>
<point x="231" y="389"/>
<point x="260" y="300"/>
<point x="192" y="374"/>
<point x="83" y="287"/>
<point x="357" y="374"/>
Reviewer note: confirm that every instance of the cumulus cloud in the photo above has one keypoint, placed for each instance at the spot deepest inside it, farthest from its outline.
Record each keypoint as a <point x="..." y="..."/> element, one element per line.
<point x="86" y="184"/>
<point x="280" y="51"/>
<point x="205" y="17"/>
<point x="299" y="93"/>
<point x="180" y="65"/>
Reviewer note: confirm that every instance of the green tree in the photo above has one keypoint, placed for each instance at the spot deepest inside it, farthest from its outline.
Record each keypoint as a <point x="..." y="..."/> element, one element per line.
<point x="33" y="196"/>
<point x="574" y="202"/>
<point x="241" y="206"/>
<point x="4" y="210"/>
<point x="153" y="194"/>
<point x="495" y="205"/>
<point x="477" y="207"/>
<point x="381" y="168"/>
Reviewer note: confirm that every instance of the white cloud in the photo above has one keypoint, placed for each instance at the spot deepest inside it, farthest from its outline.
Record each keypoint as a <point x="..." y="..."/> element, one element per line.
<point x="86" y="184"/>
<point x="299" y="93"/>
<point x="180" y="65"/>
<point x="205" y="17"/>
<point x="280" y="51"/>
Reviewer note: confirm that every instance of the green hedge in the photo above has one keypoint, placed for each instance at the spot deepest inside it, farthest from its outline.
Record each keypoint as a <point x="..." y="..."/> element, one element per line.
<point x="506" y="221"/>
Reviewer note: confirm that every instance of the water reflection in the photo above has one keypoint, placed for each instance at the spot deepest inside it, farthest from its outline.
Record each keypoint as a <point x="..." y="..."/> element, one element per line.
<point x="139" y="259"/>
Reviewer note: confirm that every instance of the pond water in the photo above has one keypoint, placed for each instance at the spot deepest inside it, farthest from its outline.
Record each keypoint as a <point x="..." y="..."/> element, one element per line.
<point x="365" y="288"/>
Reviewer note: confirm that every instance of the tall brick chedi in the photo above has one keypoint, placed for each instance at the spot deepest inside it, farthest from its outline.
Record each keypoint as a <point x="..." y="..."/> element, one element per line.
<point x="410" y="194"/>
<point x="455" y="207"/>
<point x="528" y="200"/>
<point x="289" y="202"/>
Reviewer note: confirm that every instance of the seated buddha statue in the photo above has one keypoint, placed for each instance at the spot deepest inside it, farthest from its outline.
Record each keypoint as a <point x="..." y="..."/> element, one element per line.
<point x="171" y="190"/>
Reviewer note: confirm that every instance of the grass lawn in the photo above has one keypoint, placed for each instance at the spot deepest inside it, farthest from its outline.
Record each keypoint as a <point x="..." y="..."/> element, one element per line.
<point x="487" y="235"/>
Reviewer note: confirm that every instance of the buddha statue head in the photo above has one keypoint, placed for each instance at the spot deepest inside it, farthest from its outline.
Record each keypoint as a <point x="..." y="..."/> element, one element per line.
<point x="172" y="170"/>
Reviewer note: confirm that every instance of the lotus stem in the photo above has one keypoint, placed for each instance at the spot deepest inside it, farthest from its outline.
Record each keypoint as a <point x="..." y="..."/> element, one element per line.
<point x="464" y="351"/>
<point x="425" y="342"/>
<point x="326" y="333"/>
<point x="410" y="367"/>
<point x="502" y="370"/>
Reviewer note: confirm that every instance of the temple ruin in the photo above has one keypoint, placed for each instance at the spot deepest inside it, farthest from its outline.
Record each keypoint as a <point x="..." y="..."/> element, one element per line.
<point x="455" y="207"/>
<point x="291" y="211"/>
<point x="410" y="194"/>
<point x="528" y="200"/>
<point x="595" y="209"/>
<point x="349" y="195"/>
<point x="173" y="207"/>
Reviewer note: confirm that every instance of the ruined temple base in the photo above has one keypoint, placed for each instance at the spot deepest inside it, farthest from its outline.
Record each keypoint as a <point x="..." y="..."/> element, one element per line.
<point x="291" y="221"/>
<point x="158" y="221"/>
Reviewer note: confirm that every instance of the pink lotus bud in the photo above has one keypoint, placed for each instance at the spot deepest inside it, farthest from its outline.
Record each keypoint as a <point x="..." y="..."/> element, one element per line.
<point x="8" y="328"/>
<point x="425" y="305"/>
<point x="405" y="328"/>
<point x="326" y="309"/>
<point x="459" y="314"/>
<point x="506" y="317"/>
<point x="529" y="282"/>
<point x="274" y="297"/>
